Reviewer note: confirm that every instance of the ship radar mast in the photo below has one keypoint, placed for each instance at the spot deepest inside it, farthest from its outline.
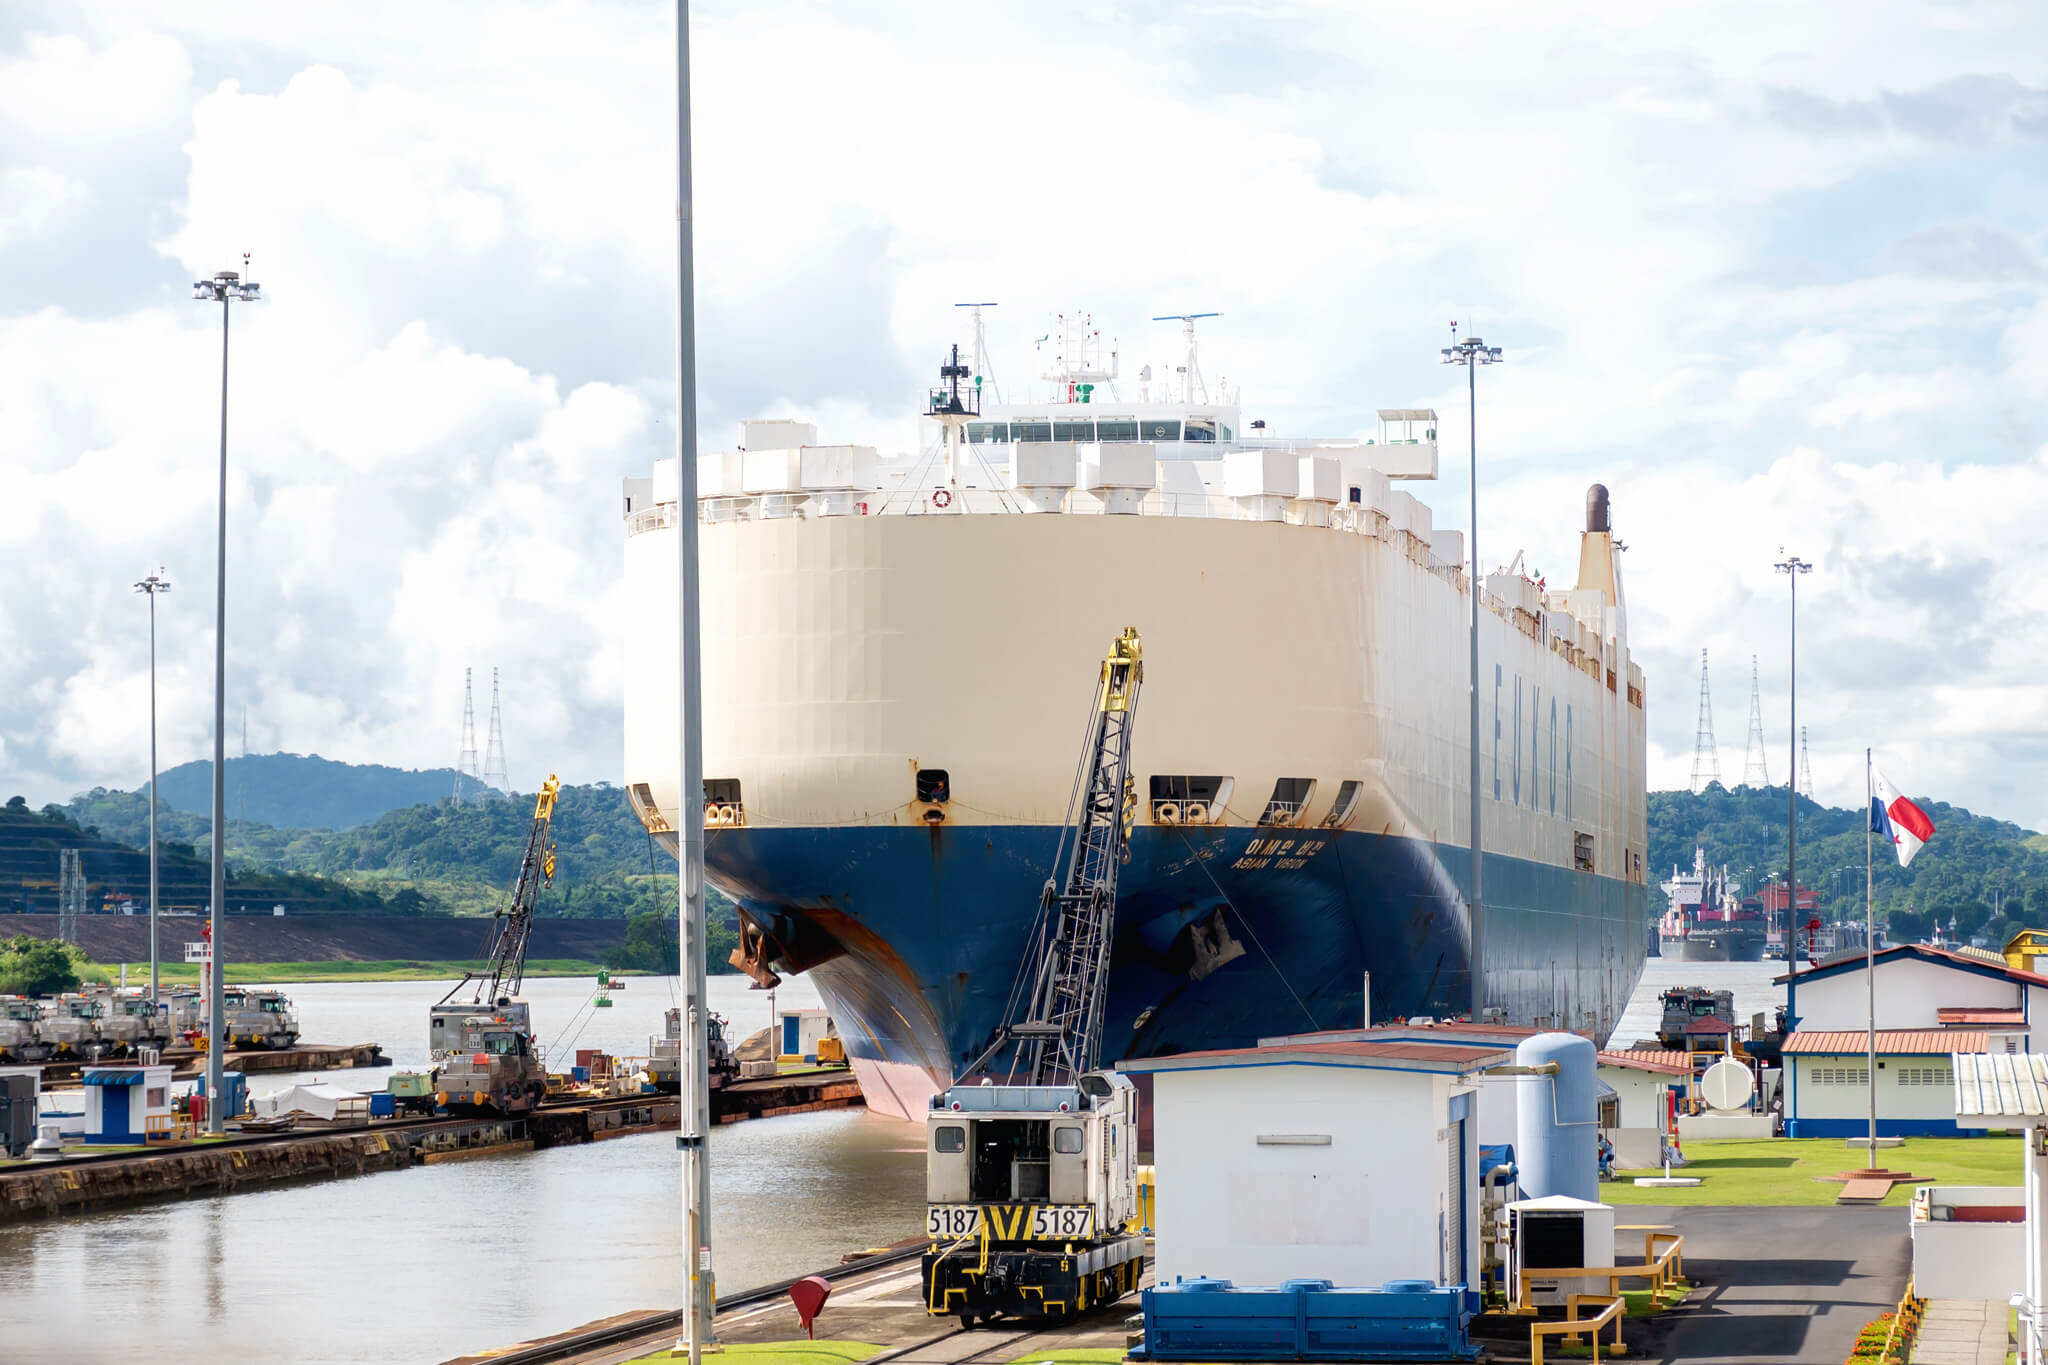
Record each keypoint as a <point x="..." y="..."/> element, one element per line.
<point x="1077" y="366"/>
<point x="1190" y="373"/>
<point x="982" y="368"/>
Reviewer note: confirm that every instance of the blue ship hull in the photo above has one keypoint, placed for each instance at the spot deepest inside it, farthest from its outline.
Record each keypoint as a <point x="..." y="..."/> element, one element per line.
<point x="913" y="935"/>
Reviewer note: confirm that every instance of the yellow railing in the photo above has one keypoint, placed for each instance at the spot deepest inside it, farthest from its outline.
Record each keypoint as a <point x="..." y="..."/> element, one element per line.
<point x="1661" y="1268"/>
<point x="1573" y="1326"/>
<point x="175" y="1127"/>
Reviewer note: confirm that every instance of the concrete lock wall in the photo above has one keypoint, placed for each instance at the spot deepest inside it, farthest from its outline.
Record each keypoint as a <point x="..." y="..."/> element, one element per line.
<point x="1365" y="1208"/>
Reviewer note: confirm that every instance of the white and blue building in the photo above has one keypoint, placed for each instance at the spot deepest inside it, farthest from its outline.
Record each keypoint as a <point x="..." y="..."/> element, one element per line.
<point x="1930" y="1003"/>
<point x="120" y="1101"/>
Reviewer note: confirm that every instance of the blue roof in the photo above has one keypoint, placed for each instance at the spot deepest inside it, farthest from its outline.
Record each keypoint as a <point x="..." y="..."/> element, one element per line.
<point x="1941" y="957"/>
<point x="113" y="1076"/>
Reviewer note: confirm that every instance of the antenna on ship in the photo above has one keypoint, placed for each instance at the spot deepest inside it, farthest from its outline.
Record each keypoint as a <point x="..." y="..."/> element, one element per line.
<point x="1706" y="758"/>
<point x="1755" y="772"/>
<point x="1191" y="373"/>
<point x="982" y="369"/>
<point x="1805" y="767"/>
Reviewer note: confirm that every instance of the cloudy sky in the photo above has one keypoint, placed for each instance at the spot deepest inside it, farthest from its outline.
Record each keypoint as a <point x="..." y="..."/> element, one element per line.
<point x="1773" y="273"/>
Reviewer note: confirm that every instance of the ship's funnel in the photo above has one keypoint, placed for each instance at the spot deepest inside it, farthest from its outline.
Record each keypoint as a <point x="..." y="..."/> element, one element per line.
<point x="1596" y="508"/>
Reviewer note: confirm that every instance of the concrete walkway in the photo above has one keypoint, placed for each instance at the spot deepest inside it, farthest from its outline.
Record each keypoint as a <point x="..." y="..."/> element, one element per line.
<point x="1962" y="1332"/>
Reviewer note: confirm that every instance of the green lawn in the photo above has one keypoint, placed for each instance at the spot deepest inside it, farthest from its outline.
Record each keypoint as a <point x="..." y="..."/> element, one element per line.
<point x="1084" y="1355"/>
<point x="1783" y="1170"/>
<point x="790" y="1353"/>
<point x="266" y="973"/>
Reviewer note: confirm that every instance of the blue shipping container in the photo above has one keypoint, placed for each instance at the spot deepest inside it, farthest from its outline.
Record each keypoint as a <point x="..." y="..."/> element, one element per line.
<point x="1201" y="1320"/>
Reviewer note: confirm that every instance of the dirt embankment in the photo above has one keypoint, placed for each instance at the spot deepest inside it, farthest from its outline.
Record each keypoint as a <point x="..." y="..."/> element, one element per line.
<point x="321" y="938"/>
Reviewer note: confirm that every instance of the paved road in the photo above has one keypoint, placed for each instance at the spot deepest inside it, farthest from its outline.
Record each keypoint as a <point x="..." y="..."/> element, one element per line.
<point x="1782" y="1284"/>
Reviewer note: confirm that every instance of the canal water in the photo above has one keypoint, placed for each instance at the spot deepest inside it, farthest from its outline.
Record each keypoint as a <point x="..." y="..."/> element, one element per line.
<point x="432" y="1262"/>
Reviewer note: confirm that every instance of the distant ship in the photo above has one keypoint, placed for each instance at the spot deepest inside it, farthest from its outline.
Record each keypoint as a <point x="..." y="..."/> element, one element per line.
<point x="1707" y="920"/>
<point x="898" y="652"/>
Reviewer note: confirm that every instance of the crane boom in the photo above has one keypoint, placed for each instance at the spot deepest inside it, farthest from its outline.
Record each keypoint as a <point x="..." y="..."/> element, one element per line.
<point x="1058" y="1030"/>
<point x="512" y="925"/>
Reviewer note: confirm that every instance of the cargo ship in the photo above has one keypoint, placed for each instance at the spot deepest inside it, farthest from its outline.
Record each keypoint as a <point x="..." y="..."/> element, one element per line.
<point x="1706" y="920"/>
<point x="899" y="652"/>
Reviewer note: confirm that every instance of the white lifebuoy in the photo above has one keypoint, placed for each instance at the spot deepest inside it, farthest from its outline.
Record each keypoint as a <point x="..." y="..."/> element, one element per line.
<point x="728" y="815"/>
<point x="942" y="497"/>
<point x="1196" y="813"/>
<point x="1283" y="818"/>
<point x="1166" y="813"/>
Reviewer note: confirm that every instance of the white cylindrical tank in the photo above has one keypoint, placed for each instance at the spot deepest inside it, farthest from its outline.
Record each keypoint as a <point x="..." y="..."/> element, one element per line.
<point x="1557" y="1118"/>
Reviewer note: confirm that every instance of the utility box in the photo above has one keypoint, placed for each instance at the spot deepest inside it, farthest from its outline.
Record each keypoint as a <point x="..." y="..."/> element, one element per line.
<point x="19" y="1096"/>
<point x="1559" y="1233"/>
<point x="798" y="1033"/>
<point x="121" y="1100"/>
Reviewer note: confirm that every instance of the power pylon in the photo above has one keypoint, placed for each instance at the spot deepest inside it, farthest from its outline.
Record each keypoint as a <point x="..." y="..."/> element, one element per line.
<point x="1805" y="767"/>
<point x="70" y="895"/>
<point x="1706" y="758"/>
<point x="468" y="781"/>
<point x="495" y="777"/>
<point x="1754" y="772"/>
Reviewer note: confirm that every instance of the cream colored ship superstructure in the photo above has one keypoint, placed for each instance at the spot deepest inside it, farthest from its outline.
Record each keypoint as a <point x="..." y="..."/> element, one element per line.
<point x="891" y="649"/>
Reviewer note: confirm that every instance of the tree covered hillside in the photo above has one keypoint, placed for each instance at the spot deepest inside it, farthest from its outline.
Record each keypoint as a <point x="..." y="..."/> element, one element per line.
<point x="1990" y="875"/>
<point x="302" y="791"/>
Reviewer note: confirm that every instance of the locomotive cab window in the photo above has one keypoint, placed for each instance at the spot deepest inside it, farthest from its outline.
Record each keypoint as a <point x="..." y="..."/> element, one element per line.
<point x="934" y="786"/>
<point x="949" y="1139"/>
<point x="1066" y="1141"/>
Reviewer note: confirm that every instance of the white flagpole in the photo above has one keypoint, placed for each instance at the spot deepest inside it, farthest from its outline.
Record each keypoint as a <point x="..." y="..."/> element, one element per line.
<point x="1870" y="954"/>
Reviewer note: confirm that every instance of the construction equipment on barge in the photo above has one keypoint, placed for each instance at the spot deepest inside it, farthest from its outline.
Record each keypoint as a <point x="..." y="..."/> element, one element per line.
<point x="1031" y="1180"/>
<point x="486" y="1057"/>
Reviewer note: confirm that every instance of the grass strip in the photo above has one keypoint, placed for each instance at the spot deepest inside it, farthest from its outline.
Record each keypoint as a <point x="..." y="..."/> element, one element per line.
<point x="1785" y="1171"/>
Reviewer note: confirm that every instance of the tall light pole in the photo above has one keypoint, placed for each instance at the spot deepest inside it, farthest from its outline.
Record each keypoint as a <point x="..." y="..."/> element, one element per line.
<point x="1472" y="353"/>
<point x="225" y="288"/>
<point x="152" y="585"/>
<point x="1792" y="566"/>
<point x="694" y="1116"/>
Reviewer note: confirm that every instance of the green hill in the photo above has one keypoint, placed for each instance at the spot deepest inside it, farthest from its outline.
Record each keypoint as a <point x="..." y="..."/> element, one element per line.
<point x="1990" y="875"/>
<point x="303" y="791"/>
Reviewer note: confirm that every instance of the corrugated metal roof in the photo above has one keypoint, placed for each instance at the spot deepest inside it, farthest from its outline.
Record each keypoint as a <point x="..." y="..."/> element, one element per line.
<point x="1646" y="1059"/>
<point x="1965" y="1015"/>
<point x="1917" y="1042"/>
<point x="2001" y="1085"/>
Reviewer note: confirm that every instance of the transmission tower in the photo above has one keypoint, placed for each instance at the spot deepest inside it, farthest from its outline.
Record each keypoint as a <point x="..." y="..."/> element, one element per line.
<point x="468" y="780"/>
<point x="70" y="894"/>
<point x="1706" y="758"/>
<point x="495" y="777"/>
<point x="1805" y="767"/>
<point x="1754" y="773"/>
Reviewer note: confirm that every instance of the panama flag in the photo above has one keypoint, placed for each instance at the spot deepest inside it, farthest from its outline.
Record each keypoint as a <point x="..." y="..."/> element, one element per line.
<point x="1898" y="819"/>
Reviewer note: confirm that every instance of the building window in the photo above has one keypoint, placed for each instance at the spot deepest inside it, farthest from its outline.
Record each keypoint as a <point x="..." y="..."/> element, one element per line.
<point x="1925" y="1075"/>
<point x="1839" y="1075"/>
<point x="155" y="1099"/>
